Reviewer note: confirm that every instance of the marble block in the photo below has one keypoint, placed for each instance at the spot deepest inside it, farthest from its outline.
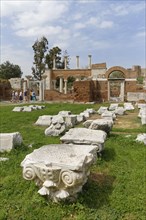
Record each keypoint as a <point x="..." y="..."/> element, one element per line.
<point x="85" y="136"/>
<point x="128" y="106"/>
<point x="119" y="111"/>
<point x="70" y="120"/>
<point x="59" y="170"/>
<point x="17" y="109"/>
<point x="102" y="109"/>
<point x="113" y="106"/>
<point x="9" y="140"/>
<point x="143" y="119"/>
<point x="27" y="109"/>
<point x="102" y="124"/>
<point x="44" y="120"/>
<point x="108" y="115"/>
<point x="87" y="123"/>
<point x="64" y="113"/>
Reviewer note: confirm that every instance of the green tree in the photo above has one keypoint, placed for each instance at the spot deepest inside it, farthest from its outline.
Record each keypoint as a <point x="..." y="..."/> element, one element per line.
<point x="40" y="48"/>
<point x="9" y="70"/>
<point x="56" y="53"/>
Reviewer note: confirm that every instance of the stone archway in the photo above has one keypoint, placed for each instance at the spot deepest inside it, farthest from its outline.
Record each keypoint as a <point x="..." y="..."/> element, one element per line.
<point x="116" y="83"/>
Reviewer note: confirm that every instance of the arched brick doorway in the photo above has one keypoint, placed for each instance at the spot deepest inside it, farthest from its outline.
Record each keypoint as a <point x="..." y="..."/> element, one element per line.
<point x="116" y="83"/>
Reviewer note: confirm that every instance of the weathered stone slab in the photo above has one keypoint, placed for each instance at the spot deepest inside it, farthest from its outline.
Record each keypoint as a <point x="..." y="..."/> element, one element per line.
<point x="85" y="136"/>
<point x="128" y="106"/>
<point x="27" y="109"/>
<point x="17" y="109"/>
<point x="70" y="120"/>
<point x="141" y="138"/>
<point x="102" y="124"/>
<point x="143" y="119"/>
<point x="60" y="170"/>
<point x="102" y="109"/>
<point x="108" y="115"/>
<point x="87" y="123"/>
<point x="142" y="111"/>
<point x="86" y="115"/>
<point x="34" y="107"/>
<point x="64" y="113"/>
<point x="44" y="120"/>
<point x="113" y="106"/>
<point x="80" y="118"/>
<point x="9" y="140"/>
<point x="90" y="111"/>
<point x="57" y="119"/>
<point x="119" y="111"/>
<point x="141" y="105"/>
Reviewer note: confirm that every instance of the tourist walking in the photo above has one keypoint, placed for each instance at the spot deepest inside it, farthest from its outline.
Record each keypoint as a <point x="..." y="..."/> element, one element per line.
<point x="25" y="96"/>
<point x="13" y="96"/>
<point x="33" y="96"/>
<point x="16" y="96"/>
<point x="20" y="96"/>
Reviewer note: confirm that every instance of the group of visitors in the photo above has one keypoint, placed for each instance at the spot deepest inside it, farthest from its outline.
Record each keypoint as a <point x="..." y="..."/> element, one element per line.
<point x="19" y="96"/>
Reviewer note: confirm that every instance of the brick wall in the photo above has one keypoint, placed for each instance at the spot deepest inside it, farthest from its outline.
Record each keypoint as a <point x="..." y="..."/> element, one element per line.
<point x="5" y="90"/>
<point x="83" y="91"/>
<point x="53" y="95"/>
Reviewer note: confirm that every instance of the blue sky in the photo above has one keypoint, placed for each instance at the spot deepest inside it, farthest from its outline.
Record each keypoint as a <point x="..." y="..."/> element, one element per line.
<point x="112" y="31"/>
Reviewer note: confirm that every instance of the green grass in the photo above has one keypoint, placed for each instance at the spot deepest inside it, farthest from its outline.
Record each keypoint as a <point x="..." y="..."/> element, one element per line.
<point x="115" y="189"/>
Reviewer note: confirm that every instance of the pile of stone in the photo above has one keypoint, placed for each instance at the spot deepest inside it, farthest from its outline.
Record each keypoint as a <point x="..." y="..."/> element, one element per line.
<point x="128" y="106"/>
<point x="120" y="111"/>
<point x="10" y="140"/>
<point x="99" y="124"/>
<point x="85" y="136"/>
<point x="113" y="106"/>
<point x="108" y="115"/>
<point x="102" y="109"/>
<point x="58" y="124"/>
<point x="59" y="170"/>
<point x="86" y="114"/>
<point x="28" y="108"/>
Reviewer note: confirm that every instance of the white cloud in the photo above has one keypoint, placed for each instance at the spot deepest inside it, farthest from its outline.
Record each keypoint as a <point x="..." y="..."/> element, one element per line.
<point x="106" y="24"/>
<point x="77" y="16"/>
<point x="126" y="7"/>
<point x="20" y="57"/>
<point x="141" y="34"/>
<point x="27" y="17"/>
<point x="79" y="25"/>
<point x="9" y="8"/>
<point x="92" y="21"/>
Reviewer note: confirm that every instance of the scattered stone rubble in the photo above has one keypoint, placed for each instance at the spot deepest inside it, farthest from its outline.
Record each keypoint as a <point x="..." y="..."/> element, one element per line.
<point x="27" y="108"/>
<point x="61" y="170"/>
